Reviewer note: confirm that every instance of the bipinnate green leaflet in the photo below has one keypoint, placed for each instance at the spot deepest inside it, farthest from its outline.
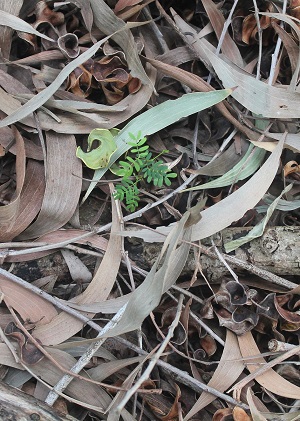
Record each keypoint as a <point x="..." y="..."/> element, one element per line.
<point x="159" y="117"/>
<point x="230" y="209"/>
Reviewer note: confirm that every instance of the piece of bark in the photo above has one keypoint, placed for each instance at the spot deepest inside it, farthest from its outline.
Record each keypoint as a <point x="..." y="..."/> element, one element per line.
<point x="18" y="406"/>
<point x="277" y="251"/>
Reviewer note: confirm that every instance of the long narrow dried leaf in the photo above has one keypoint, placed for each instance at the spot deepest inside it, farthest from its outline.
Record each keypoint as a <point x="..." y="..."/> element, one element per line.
<point x="104" y="370"/>
<point x="293" y="24"/>
<point x="47" y="371"/>
<point x="290" y="416"/>
<point x="255" y="95"/>
<point x="38" y="100"/>
<point x="270" y="379"/>
<point x="227" y="371"/>
<point x="258" y="229"/>
<point x="229" y="47"/>
<point x="63" y="180"/>
<point x="8" y="213"/>
<point x="31" y="198"/>
<point x="64" y="326"/>
<point x="225" y="162"/>
<point x="146" y="297"/>
<point x="58" y="237"/>
<point x="7" y="19"/>
<point x="256" y="415"/>
<point x="6" y="357"/>
<point x="230" y="209"/>
<point x="109" y="23"/>
<point x="283" y="205"/>
<point x="13" y="8"/>
<point x="292" y="140"/>
<point x="30" y="306"/>
<point x="86" y="13"/>
<point x="243" y="169"/>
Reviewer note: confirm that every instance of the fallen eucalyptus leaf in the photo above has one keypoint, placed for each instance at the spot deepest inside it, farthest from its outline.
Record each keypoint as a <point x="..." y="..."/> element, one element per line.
<point x="243" y="169"/>
<point x="258" y="230"/>
<point x="18" y="24"/>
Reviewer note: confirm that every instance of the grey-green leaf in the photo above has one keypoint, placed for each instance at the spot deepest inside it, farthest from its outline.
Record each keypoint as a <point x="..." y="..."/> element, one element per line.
<point x="159" y="117"/>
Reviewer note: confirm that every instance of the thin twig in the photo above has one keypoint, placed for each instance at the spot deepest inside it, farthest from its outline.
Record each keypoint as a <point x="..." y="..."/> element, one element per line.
<point x="58" y="365"/>
<point x="154" y="359"/>
<point x="104" y="228"/>
<point x="172" y="371"/>
<point x="201" y="323"/>
<point x="238" y="386"/>
<point x="276" y="51"/>
<point x="84" y="359"/>
<point x="259" y="31"/>
<point x="226" y="26"/>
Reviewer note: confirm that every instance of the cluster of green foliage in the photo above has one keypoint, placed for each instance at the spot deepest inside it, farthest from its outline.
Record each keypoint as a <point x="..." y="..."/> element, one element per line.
<point x="140" y="167"/>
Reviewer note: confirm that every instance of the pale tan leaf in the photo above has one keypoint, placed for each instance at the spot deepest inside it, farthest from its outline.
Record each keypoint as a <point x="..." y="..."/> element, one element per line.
<point x="293" y="24"/>
<point x="216" y="18"/>
<point x="57" y="237"/>
<point x="86" y="12"/>
<point x="30" y="199"/>
<point x="8" y="19"/>
<point x="8" y="213"/>
<point x="104" y="370"/>
<point x="290" y="45"/>
<point x="121" y="4"/>
<point x="147" y="296"/>
<point x="270" y="379"/>
<point x="29" y="305"/>
<point x="47" y="371"/>
<point x="255" y="95"/>
<point x="13" y="8"/>
<point x="63" y="180"/>
<point x="65" y="326"/>
<point x="6" y="357"/>
<point x="78" y="271"/>
<point x="292" y="140"/>
<point x="227" y="371"/>
<point x="256" y="415"/>
<point x="109" y="23"/>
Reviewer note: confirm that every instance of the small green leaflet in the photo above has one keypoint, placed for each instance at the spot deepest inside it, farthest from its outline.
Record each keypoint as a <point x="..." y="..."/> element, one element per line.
<point x="100" y="156"/>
